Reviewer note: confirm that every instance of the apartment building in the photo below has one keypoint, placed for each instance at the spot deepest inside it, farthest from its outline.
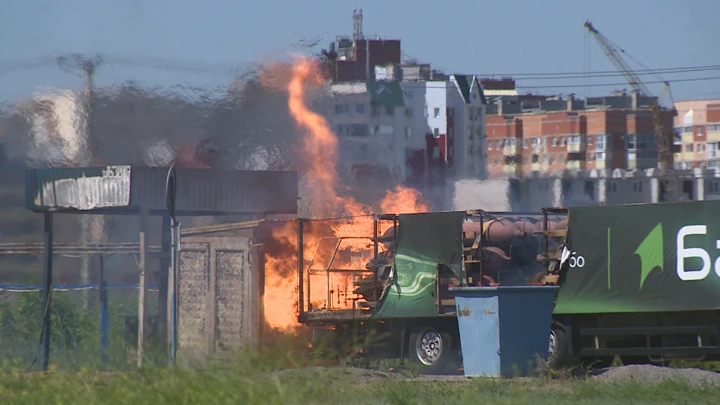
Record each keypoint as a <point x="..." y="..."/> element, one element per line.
<point x="371" y="123"/>
<point x="553" y="135"/>
<point x="698" y="124"/>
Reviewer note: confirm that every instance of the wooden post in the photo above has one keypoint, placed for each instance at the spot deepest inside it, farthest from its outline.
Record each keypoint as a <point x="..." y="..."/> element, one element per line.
<point x="143" y="284"/>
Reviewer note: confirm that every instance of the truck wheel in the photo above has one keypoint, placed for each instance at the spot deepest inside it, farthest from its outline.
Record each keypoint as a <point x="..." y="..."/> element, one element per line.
<point x="434" y="350"/>
<point x="558" y="354"/>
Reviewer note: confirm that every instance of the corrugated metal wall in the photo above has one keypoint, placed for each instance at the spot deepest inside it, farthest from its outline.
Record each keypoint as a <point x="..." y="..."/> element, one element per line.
<point x="219" y="307"/>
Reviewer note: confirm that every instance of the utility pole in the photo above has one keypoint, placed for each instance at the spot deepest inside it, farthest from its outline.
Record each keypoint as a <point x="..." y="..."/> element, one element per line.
<point x="93" y="226"/>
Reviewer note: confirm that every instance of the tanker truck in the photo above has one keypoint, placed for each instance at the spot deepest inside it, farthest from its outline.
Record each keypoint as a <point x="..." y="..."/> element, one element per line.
<point x="636" y="281"/>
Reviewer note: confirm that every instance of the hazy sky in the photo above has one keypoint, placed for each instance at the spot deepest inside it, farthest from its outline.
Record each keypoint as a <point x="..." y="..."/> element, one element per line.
<point x="198" y="42"/>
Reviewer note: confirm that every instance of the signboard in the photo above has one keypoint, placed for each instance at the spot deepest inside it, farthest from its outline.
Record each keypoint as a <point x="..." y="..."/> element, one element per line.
<point x="83" y="188"/>
<point x="642" y="258"/>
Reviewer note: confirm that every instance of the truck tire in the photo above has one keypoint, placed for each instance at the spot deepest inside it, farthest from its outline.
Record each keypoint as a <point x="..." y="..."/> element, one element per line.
<point x="558" y="348"/>
<point x="434" y="350"/>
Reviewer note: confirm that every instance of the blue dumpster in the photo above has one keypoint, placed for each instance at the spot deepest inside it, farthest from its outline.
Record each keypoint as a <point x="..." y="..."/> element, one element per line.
<point x="503" y="329"/>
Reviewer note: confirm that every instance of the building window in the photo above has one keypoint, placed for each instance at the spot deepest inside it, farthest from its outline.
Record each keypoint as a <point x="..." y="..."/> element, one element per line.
<point x="359" y="130"/>
<point x="436" y="152"/>
<point x="436" y="113"/>
<point x="436" y="132"/>
<point x="714" y="187"/>
<point x="689" y="147"/>
<point x="699" y="131"/>
<point x="409" y="112"/>
<point x="713" y="128"/>
<point x="645" y="141"/>
<point x="600" y="155"/>
<point x="574" y="140"/>
<point x="712" y="150"/>
<point x="342" y="108"/>
<point x="408" y="132"/>
<point x="599" y="142"/>
<point x="687" y="130"/>
<point x="525" y="143"/>
<point x="613" y="186"/>
<point x="490" y="145"/>
<point x="535" y="141"/>
<point x="561" y="141"/>
<point x="700" y="148"/>
<point x="343" y="129"/>
<point x="360" y="108"/>
<point x="637" y="187"/>
<point x="590" y="156"/>
<point x="630" y="141"/>
<point x="553" y="141"/>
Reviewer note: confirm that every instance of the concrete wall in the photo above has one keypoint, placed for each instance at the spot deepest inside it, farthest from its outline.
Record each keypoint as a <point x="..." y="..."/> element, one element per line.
<point x="591" y="188"/>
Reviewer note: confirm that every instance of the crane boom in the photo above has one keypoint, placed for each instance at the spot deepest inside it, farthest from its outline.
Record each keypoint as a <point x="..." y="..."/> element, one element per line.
<point x="614" y="55"/>
<point x="663" y="136"/>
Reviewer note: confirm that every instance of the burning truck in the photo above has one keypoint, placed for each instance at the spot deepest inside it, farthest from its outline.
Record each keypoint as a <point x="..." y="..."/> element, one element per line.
<point x="630" y="284"/>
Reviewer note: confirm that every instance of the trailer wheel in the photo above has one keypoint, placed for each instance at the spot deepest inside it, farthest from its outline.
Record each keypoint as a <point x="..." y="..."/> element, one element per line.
<point x="434" y="350"/>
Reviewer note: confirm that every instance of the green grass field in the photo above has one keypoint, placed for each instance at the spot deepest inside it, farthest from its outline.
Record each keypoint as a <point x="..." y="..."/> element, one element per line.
<point x="337" y="385"/>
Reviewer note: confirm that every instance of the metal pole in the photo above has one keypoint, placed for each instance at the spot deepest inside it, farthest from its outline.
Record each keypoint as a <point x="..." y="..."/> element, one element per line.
<point x="300" y="267"/>
<point x="104" y="322"/>
<point x="170" y="197"/>
<point x="174" y="244"/>
<point x="47" y="291"/>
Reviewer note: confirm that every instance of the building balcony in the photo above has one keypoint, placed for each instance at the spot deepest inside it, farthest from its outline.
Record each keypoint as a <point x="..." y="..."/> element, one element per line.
<point x="575" y="165"/>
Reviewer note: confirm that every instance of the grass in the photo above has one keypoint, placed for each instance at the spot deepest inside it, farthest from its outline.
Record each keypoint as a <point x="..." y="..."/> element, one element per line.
<point x="279" y="377"/>
<point x="258" y="385"/>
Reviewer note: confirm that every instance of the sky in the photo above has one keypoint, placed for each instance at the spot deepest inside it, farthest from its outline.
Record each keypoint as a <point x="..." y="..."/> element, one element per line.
<point x="202" y="43"/>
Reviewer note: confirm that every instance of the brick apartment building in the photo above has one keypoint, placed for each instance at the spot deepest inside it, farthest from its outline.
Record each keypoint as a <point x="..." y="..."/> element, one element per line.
<point x="698" y="122"/>
<point x="551" y="135"/>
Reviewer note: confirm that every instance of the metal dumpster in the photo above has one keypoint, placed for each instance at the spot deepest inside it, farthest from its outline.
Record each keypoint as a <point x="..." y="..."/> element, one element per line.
<point x="503" y="329"/>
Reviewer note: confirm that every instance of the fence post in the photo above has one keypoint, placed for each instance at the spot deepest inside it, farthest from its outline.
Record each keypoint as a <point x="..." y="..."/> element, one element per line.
<point x="104" y="324"/>
<point x="143" y="293"/>
<point x="47" y="289"/>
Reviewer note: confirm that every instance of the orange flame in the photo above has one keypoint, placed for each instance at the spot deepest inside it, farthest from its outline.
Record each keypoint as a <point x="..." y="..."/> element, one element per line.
<point x="320" y="153"/>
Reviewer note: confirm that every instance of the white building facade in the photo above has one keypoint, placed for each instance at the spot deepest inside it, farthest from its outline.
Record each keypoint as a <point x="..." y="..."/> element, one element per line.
<point x="422" y="133"/>
<point x="370" y="122"/>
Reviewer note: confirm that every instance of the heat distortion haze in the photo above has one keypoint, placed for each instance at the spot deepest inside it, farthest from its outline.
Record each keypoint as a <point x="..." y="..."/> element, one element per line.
<point x="323" y="192"/>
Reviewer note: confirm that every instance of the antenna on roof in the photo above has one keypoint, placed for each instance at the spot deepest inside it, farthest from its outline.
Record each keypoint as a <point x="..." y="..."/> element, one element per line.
<point x="357" y="24"/>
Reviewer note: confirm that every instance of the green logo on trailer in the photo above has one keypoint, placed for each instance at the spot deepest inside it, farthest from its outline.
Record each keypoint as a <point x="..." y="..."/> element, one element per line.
<point x="651" y="251"/>
<point x="652" y="254"/>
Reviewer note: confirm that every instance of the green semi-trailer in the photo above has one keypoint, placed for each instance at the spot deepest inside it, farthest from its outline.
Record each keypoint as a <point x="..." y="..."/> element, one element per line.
<point x="637" y="281"/>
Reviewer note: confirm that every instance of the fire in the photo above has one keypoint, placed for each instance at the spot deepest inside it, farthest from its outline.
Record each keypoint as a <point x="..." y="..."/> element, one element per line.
<point x="320" y="156"/>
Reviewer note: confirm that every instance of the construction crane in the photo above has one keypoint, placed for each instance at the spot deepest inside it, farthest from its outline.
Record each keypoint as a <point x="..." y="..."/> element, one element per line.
<point x="664" y="136"/>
